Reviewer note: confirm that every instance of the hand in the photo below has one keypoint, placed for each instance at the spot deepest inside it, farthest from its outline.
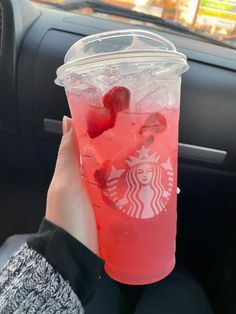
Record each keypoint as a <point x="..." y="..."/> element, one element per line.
<point x="68" y="205"/>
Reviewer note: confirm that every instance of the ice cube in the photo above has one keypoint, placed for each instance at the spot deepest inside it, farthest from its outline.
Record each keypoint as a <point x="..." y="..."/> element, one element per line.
<point x="92" y="95"/>
<point x="174" y="93"/>
<point x="153" y="99"/>
<point x="106" y="78"/>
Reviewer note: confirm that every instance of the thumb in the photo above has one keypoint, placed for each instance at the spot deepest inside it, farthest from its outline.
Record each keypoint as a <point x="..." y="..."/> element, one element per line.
<point x="68" y="204"/>
<point x="67" y="165"/>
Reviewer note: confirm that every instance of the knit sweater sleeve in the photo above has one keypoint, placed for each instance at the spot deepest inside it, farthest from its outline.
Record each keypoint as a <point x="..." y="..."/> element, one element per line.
<point x="29" y="284"/>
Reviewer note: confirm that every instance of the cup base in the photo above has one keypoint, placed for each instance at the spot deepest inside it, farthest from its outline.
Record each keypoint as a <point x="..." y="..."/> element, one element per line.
<point x="131" y="279"/>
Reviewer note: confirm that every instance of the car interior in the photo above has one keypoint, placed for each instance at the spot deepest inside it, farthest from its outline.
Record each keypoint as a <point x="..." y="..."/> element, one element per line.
<point x="33" y="41"/>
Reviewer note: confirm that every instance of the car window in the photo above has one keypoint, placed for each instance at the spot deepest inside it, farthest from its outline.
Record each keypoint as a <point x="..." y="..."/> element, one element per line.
<point x="212" y="19"/>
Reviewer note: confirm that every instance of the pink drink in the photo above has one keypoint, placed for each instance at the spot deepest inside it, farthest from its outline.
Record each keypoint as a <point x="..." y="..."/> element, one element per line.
<point x="123" y="90"/>
<point x="135" y="206"/>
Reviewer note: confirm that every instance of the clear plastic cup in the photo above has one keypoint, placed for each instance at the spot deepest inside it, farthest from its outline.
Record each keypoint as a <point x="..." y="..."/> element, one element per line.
<point x="123" y="90"/>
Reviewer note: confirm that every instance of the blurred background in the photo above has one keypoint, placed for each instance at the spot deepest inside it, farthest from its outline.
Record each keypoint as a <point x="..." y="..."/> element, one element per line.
<point x="212" y="18"/>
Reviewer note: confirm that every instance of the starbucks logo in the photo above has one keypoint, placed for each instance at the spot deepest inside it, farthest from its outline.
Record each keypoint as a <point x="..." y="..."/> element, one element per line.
<point x="143" y="188"/>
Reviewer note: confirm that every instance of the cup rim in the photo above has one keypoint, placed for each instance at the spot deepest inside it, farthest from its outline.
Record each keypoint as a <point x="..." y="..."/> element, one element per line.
<point x="177" y="61"/>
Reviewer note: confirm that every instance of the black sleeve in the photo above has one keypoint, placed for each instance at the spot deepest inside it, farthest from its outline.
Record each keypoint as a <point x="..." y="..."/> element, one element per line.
<point x="74" y="261"/>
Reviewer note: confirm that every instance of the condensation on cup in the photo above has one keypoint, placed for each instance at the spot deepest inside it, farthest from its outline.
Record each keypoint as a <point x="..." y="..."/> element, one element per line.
<point x="123" y="90"/>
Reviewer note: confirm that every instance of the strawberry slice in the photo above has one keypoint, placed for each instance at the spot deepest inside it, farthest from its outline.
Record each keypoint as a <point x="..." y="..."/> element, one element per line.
<point x="99" y="120"/>
<point x="156" y="123"/>
<point x="102" y="119"/>
<point x="100" y="175"/>
<point x="117" y="99"/>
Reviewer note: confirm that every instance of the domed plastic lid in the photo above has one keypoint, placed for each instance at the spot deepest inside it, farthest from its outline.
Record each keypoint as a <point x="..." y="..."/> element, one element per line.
<point x="124" y="45"/>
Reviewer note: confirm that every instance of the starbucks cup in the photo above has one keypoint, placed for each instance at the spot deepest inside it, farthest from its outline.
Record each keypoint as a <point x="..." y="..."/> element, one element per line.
<point x="123" y="90"/>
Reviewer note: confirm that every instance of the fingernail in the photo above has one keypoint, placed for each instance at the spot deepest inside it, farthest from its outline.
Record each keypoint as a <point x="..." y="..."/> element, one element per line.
<point x="66" y="124"/>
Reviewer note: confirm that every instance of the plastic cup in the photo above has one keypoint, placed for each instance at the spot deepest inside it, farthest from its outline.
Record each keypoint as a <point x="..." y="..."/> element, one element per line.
<point x="123" y="90"/>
